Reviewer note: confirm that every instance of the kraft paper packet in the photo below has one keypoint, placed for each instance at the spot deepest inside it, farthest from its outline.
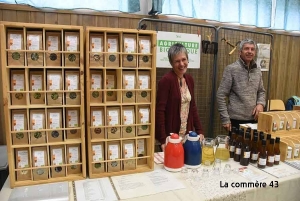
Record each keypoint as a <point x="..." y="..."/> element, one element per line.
<point x="37" y="84"/>
<point x="129" y="46"/>
<point x="111" y="83"/>
<point x="113" y="121"/>
<point x="145" y="48"/>
<point x="37" y="122"/>
<point x="35" y="44"/>
<point x="96" y="47"/>
<point x="144" y="118"/>
<point x="128" y="121"/>
<point x="54" y="121"/>
<point x="129" y="152"/>
<point x="54" y="83"/>
<point x="113" y="152"/>
<point x="144" y="84"/>
<point x="72" y="57"/>
<point x="15" y="42"/>
<point x="129" y="84"/>
<point x="97" y="157"/>
<point x="73" y="121"/>
<point x="18" y="84"/>
<point x="57" y="153"/>
<point x="97" y="120"/>
<point x="289" y="121"/>
<point x="19" y="123"/>
<point x="113" y="49"/>
<point x="72" y="82"/>
<point x="74" y="156"/>
<point x="141" y="151"/>
<point x="53" y="45"/>
<point x="96" y="80"/>
<point x="39" y="159"/>
<point x="22" y="161"/>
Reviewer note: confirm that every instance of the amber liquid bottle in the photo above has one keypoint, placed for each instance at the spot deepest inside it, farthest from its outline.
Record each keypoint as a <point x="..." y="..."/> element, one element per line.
<point x="262" y="158"/>
<point x="232" y="142"/>
<point x="270" y="153"/>
<point x="245" y="155"/>
<point x="261" y="137"/>
<point x="254" y="150"/>
<point x="277" y="151"/>
<point x="268" y="140"/>
<point x="238" y="146"/>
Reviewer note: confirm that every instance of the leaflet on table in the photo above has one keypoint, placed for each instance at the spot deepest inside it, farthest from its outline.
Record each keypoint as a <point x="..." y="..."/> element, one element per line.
<point x="57" y="156"/>
<point x="97" y="153"/>
<point x="282" y="170"/>
<point x="54" y="120"/>
<point x="252" y="175"/>
<point x="95" y="189"/>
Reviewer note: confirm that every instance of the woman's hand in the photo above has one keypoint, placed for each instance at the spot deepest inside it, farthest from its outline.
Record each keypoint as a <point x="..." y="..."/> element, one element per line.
<point x="163" y="147"/>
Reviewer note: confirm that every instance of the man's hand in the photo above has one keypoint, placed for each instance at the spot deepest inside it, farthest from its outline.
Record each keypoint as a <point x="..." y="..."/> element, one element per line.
<point x="259" y="108"/>
<point x="201" y="137"/>
<point x="227" y="127"/>
<point x="163" y="147"/>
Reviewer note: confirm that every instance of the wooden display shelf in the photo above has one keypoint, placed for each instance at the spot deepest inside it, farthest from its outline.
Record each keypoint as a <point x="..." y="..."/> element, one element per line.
<point x="121" y="78"/>
<point x="43" y="88"/>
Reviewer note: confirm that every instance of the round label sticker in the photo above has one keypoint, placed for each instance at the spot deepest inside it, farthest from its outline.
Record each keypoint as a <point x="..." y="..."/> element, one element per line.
<point x="114" y="164"/>
<point x="40" y="171"/>
<point x="37" y="135"/>
<point x="97" y="57"/>
<point x="129" y="94"/>
<point x="95" y="94"/>
<point x="54" y="96"/>
<point x="144" y="127"/>
<point x="129" y="57"/>
<point x="34" y="56"/>
<point x="73" y="167"/>
<point x="113" y="130"/>
<point x="128" y="129"/>
<point x="112" y="58"/>
<point x="58" y="169"/>
<point x="72" y="57"/>
<point x="24" y="172"/>
<point x="97" y="130"/>
<point x="109" y="93"/>
<point x="37" y="95"/>
<point x="145" y="59"/>
<point x="73" y="131"/>
<point x="19" y="96"/>
<point x="53" y="56"/>
<point x="54" y="134"/>
<point x="73" y="95"/>
<point x="144" y="94"/>
<point x="15" y="55"/>
<point x="19" y="135"/>
<point x="97" y="165"/>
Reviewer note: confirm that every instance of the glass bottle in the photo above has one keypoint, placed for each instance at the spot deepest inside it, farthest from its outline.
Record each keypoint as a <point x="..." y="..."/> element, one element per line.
<point x="238" y="146"/>
<point x="260" y="138"/>
<point x="268" y="140"/>
<point x="232" y="142"/>
<point x="277" y="151"/>
<point x="270" y="153"/>
<point x="245" y="154"/>
<point x="254" y="150"/>
<point x="262" y="158"/>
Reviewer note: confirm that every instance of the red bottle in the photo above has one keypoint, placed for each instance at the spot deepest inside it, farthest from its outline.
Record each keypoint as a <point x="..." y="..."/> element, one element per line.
<point x="174" y="153"/>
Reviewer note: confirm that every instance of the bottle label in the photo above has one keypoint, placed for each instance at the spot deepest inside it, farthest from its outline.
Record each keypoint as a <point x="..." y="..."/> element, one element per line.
<point x="262" y="161"/>
<point x="238" y="151"/>
<point x="271" y="159"/>
<point x="247" y="154"/>
<point x="232" y="148"/>
<point x="277" y="158"/>
<point x="254" y="157"/>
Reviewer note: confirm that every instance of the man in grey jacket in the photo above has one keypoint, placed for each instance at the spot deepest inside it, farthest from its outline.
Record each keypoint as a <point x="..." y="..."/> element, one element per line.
<point x="243" y="85"/>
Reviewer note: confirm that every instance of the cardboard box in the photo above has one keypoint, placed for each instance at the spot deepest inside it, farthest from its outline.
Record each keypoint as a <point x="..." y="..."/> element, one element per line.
<point x="113" y="152"/>
<point x="111" y="83"/>
<point x="144" y="118"/>
<point x="97" y="120"/>
<point x="113" y="120"/>
<point x="54" y="121"/>
<point x="22" y="161"/>
<point x="129" y="84"/>
<point x="57" y="154"/>
<point x="112" y="47"/>
<point x="54" y="83"/>
<point x="72" y="45"/>
<point x="53" y="44"/>
<point x="15" y="42"/>
<point x="74" y="156"/>
<point x="18" y="84"/>
<point x="35" y="44"/>
<point x="37" y="122"/>
<point x="144" y="84"/>
<point x="96" y="80"/>
<point x="19" y="123"/>
<point x="145" y="48"/>
<point x="96" y="49"/>
<point x="129" y="46"/>
<point x="37" y="85"/>
<point x="39" y="159"/>
<point x="72" y="82"/>
<point x="98" y="157"/>
<point x="73" y="121"/>
<point x="141" y="151"/>
<point x="128" y="121"/>
<point x="129" y="152"/>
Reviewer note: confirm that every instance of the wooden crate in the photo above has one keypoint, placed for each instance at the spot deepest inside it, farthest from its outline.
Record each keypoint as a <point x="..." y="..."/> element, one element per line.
<point x="118" y="84"/>
<point x="36" y="128"/>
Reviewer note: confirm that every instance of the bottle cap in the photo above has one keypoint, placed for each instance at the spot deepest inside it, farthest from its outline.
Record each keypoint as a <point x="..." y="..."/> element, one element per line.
<point x="268" y="136"/>
<point x="261" y="135"/>
<point x="272" y="141"/>
<point x="277" y="140"/>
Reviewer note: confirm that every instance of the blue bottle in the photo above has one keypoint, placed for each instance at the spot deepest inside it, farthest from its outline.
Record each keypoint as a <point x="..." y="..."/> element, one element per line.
<point x="192" y="150"/>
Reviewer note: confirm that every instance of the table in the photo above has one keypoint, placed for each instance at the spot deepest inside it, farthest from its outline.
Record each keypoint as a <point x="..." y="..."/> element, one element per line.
<point x="288" y="189"/>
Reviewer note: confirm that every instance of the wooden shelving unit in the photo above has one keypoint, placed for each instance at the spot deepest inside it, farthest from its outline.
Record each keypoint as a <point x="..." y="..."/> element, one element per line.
<point x="120" y="94"/>
<point x="43" y="87"/>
